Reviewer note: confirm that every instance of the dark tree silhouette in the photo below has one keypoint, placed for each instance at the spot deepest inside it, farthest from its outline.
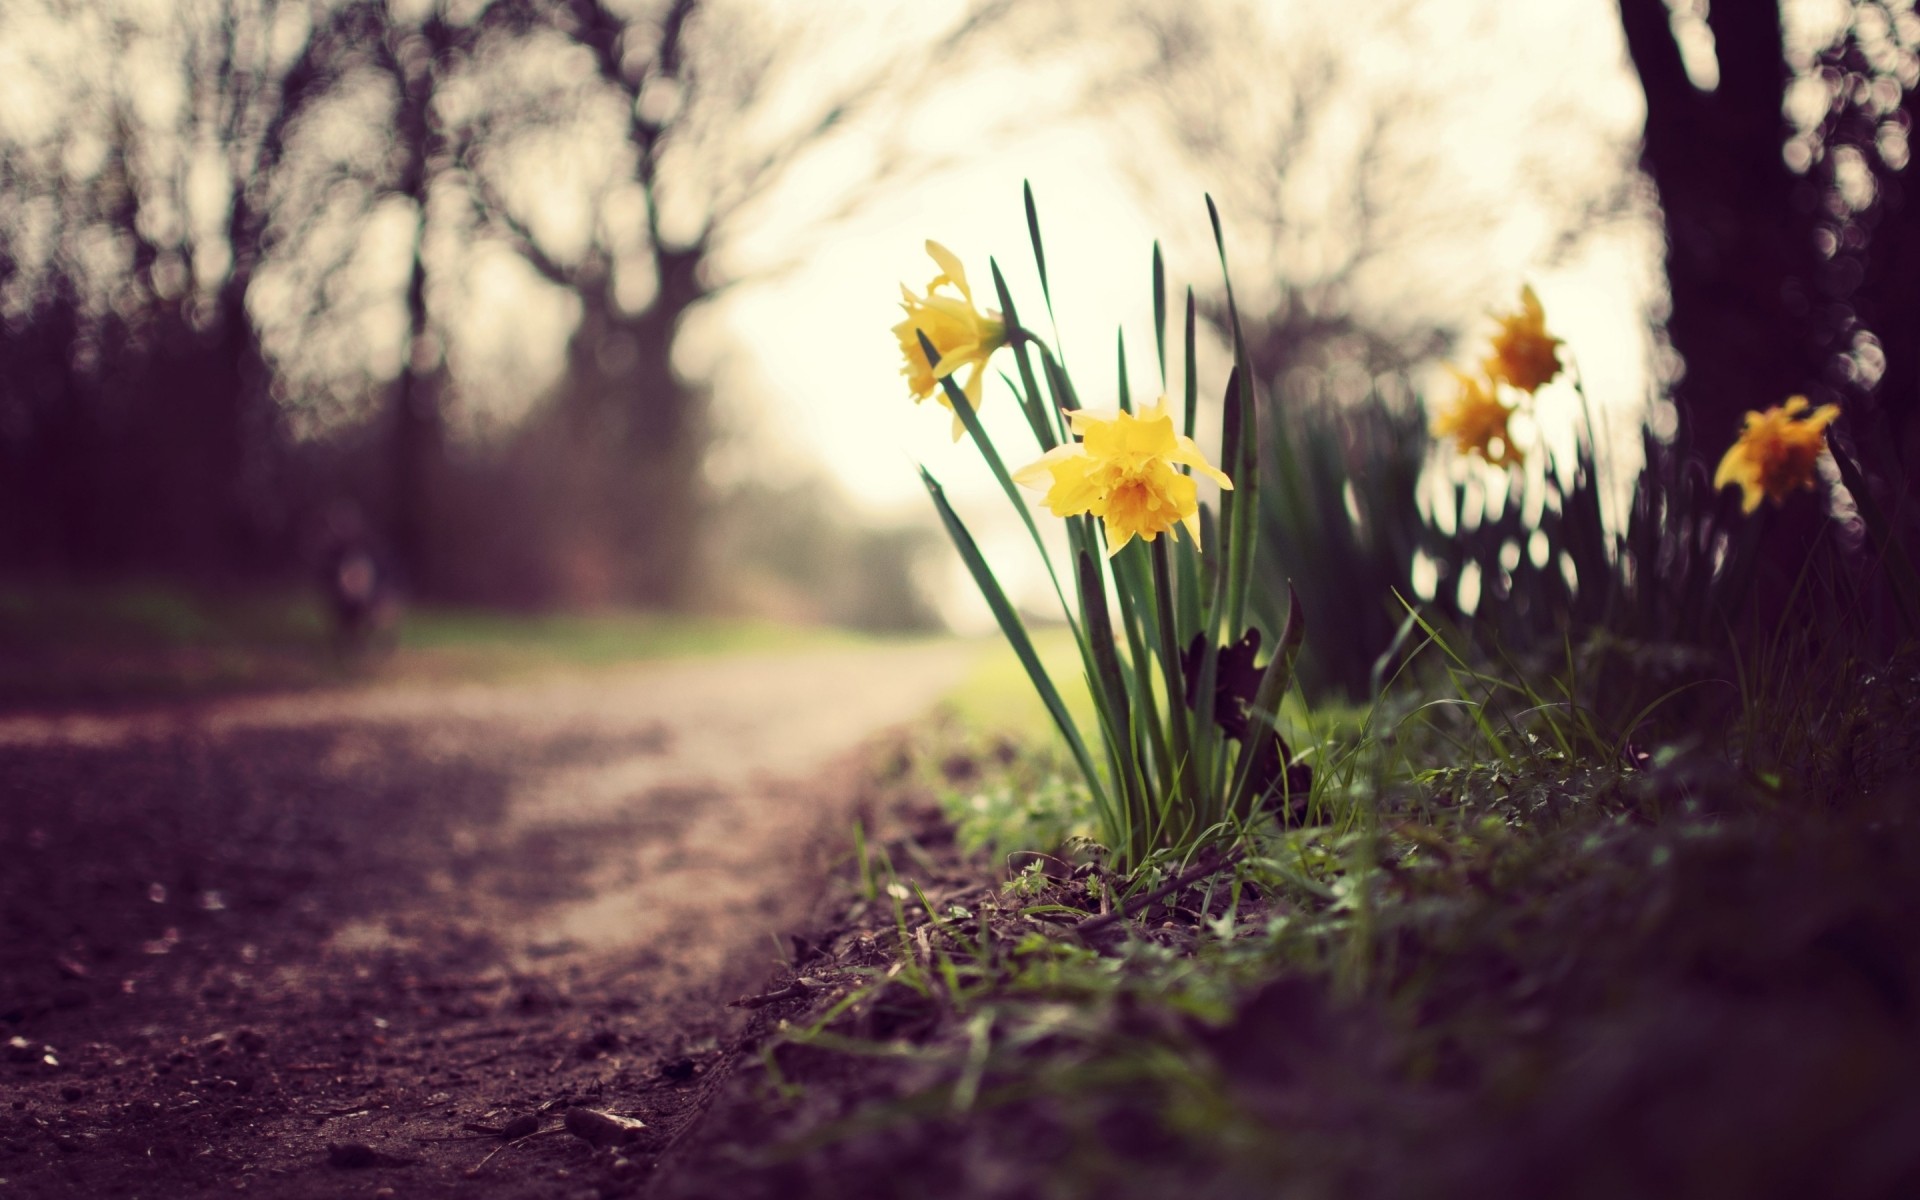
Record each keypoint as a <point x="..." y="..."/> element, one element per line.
<point x="1793" y="256"/>
<point x="713" y="122"/>
<point x="140" y="424"/>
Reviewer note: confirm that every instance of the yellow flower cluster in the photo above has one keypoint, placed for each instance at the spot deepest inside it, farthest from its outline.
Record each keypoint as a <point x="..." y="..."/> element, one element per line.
<point x="1776" y="452"/>
<point x="1123" y="470"/>
<point x="961" y="334"/>
<point x="1526" y="358"/>
<point x="1477" y="422"/>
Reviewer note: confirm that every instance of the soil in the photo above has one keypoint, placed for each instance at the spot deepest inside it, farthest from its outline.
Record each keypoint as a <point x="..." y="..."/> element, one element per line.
<point x="413" y="941"/>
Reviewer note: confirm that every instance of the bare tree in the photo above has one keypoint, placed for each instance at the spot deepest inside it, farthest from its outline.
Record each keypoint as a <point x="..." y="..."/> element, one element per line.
<point x="152" y="390"/>
<point x="715" y="106"/>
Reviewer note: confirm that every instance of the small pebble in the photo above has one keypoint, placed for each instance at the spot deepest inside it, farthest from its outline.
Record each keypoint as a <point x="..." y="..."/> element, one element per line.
<point x="520" y="1127"/>
<point x="351" y="1156"/>
<point x="679" y="1070"/>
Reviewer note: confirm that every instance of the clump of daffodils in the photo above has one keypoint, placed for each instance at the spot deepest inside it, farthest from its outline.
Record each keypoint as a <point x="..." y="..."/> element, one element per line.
<point x="1125" y="469"/>
<point x="1188" y="749"/>
<point x="1776" y="452"/>
<point x="962" y="334"/>
<point x="1523" y="358"/>
<point x="1476" y="420"/>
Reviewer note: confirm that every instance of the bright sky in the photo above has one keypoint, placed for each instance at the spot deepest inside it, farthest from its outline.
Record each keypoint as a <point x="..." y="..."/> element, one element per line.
<point x="1525" y="109"/>
<point x="810" y="369"/>
<point x="814" y="368"/>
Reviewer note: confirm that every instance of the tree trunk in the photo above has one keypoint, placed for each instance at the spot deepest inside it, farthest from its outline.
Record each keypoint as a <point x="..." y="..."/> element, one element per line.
<point x="418" y="435"/>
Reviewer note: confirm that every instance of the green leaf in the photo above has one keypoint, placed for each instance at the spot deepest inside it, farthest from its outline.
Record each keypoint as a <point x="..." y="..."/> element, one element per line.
<point x="1111" y="683"/>
<point x="1265" y="708"/>
<point x="1160" y="312"/>
<point x="1179" y="717"/>
<point x="1039" y="253"/>
<point x="1065" y="399"/>
<point x="1193" y="377"/>
<point x="1017" y="637"/>
<point x="971" y="420"/>
<point x="1017" y="338"/>
<point x="1126" y="392"/>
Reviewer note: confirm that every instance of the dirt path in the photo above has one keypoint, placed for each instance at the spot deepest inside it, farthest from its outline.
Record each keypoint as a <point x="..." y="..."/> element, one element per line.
<point x="277" y="946"/>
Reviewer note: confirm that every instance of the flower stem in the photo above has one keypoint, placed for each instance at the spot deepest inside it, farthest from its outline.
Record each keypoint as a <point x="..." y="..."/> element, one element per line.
<point x="1177" y="710"/>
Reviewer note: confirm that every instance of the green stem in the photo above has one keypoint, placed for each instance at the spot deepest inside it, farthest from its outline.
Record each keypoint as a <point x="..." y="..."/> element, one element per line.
<point x="1177" y="712"/>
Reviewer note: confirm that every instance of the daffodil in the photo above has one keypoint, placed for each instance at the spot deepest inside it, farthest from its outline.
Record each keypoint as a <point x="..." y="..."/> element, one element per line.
<point x="1776" y="452"/>
<point x="961" y="334"/>
<point x="1477" y="422"/>
<point x="1124" y="470"/>
<point x="1524" y="355"/>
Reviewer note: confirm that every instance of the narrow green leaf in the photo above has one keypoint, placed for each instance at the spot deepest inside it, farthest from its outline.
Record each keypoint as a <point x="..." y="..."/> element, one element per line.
<point x="1015" y="631"/>
<point x="1059" y="383"/>
<point x="1017" y="338"/>
<point x="1126" y="392"/>
<point x="971" y="420"/>
<point x="1110" y="681"/>
<point x="1039" y="254"/>
<point x="1160" y="311"/>
<point x="1186" y="577"/>
<point x="1242" y="538"/>
<point x="1265" y="709"/>
<point x="1193" y="370"/>
<point x="1231" y="428"/>
<point x="1179" y="725"/>
<point x="1220" y="244"/>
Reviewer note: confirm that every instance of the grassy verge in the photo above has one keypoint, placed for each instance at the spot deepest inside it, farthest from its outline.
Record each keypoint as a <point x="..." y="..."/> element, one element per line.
<point x="127" y="644"/>
<point x="1491" y="959"/>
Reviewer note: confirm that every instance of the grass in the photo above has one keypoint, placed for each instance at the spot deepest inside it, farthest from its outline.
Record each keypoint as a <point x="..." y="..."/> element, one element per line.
<point x="145" y="642"/>
<point x="1503" y="955"/>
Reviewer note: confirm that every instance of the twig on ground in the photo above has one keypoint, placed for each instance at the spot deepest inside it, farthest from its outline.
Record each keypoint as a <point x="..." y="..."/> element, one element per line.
<point x="793" y="991"/>
<point x="1213" y="864"/>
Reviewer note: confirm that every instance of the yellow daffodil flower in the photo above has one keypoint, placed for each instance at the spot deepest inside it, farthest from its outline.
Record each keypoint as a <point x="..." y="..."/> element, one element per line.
<point x="961" y="334"/>
<point x="1477" y="422"/>
<point x="1776" y="452"/>
<point x="1123" y="470"/>
<point x="1524" y="355"/>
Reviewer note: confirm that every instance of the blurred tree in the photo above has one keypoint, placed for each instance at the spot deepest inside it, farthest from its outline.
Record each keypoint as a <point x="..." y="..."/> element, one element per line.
<point x="416" y="56"/>
<point x="1780" y="155"/>
<point x="230" y="225"/>
<point x="717" y="106"/>
<point x="135" y="216"/>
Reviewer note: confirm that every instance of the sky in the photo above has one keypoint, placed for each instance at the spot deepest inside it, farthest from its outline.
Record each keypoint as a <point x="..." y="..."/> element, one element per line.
<point x="810" y="366"/>
<point x="1507" y="117"/>
<point x="807" y="372"/>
